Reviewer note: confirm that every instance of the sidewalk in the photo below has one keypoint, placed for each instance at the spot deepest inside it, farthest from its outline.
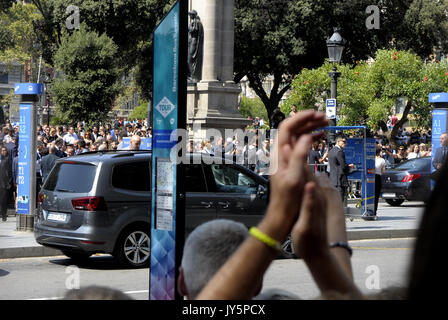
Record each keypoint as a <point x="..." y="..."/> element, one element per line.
<point x="398" y="222"/>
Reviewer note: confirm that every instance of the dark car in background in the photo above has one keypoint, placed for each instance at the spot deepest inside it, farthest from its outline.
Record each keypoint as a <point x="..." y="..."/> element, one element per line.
<point x="100" y="202"/>
<point x="409" y="180"/>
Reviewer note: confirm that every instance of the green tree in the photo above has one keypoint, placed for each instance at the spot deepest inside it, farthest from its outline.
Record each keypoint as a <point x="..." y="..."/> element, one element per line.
<point x="367" y="92"/>
<point x="280" y="38"/>
<point x="140" y="112"/>
<point x="89" y="83"/>
<point x="129" y="23"/>
<point x="17" y="37"/>
<point x="253" y="107"/>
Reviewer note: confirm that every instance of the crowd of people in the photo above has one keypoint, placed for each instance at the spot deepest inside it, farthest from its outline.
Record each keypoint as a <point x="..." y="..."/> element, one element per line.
<point x="55" y="142"/>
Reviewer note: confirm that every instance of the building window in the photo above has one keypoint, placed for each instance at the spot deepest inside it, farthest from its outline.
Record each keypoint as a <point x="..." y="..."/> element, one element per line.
<point x="4" y="77"/>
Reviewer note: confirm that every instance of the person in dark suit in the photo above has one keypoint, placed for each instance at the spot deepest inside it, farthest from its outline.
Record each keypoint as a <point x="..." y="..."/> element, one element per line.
<point x="47" y="163"/>
<point x="339" y="168"/>
<point x="441" y="152"/>
<point x="5" y="181"/>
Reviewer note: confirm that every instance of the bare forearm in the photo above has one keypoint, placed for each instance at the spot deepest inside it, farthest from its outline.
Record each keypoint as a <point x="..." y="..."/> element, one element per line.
<point x="330" y="277"/>
<point x="239" y="277"/>
<point x="336" y="233"/>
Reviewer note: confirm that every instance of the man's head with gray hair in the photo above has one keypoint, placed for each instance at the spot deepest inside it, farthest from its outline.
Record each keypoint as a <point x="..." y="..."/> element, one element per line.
<point x="206" y="249"/>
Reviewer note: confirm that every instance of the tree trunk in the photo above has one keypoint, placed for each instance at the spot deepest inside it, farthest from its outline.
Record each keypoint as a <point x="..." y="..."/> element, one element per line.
<point x="272" y="101"/>
<point x="393" y="133"/>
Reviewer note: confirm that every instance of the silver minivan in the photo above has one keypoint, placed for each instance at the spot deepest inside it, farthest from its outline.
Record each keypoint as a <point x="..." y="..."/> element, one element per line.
<point x="100" y="202"/>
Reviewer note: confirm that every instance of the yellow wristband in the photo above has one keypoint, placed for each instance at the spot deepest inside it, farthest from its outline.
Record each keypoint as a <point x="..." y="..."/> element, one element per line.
<point x="267" y="240"/>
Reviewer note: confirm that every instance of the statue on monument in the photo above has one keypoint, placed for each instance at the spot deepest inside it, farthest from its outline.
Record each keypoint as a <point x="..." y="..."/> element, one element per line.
<point x="195" y="41"/>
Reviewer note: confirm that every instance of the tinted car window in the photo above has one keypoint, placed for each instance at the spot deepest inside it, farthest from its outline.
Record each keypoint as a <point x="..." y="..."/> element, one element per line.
<point x="230" y="179"/>
<point x="414" y="164"/>
<point x="194" y="178"/>
<point x="131" y="176"/>
<point x="71" y="177"/>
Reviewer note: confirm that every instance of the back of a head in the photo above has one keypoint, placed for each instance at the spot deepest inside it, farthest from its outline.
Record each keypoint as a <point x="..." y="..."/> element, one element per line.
<point x="96" y="293"/>
<point x="207" y="248"/>
<point x="276" y="294"/>
<point x="427" y="271"/>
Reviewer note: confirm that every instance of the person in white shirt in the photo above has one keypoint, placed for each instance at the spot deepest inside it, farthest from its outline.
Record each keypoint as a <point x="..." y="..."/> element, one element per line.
<point x="263" y="160"/>
<point x="380" y="168"/>
<point x="71" y="136"/>
<point x="415" y="152"/>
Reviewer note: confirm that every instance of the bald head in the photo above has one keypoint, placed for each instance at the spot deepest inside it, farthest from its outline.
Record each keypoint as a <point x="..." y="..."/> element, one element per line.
<point x="444" y="139"/>
<point x="135" y="142"/>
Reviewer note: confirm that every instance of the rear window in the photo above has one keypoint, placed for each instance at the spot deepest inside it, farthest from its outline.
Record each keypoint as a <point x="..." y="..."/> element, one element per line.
<point x="131" y="176"/>
<point x="71" y="177"/>
<point x="414" y="164"/>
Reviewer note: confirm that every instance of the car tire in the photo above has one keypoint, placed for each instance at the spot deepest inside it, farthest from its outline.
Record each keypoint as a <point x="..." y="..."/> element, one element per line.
<point x="395" y="202"/>
<point x="76" y="256"/>
<point x="133" y="247"/>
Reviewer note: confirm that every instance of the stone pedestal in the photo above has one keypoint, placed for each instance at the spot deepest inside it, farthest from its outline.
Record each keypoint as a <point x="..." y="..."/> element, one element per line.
<point x="213" y="105"/>
<point x="213" y="102"/>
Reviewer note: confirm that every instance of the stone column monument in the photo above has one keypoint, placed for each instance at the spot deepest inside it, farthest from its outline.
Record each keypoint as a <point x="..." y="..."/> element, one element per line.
<point x="212" y="100"/>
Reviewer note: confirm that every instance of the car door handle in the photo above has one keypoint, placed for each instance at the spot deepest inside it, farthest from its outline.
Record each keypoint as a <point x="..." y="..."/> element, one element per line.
<point x="224" y="205"/>
<point x="207" y="205"/>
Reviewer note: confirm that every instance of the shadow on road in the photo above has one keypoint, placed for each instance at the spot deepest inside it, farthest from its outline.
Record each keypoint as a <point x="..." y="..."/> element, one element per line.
<point x="3" y="273"/>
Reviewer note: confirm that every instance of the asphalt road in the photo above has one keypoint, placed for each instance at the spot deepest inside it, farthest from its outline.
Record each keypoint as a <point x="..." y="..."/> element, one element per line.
<point x="377" y="264"/>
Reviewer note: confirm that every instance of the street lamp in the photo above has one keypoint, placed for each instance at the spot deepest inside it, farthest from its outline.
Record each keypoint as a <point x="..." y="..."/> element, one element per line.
<point x="335" y="46"/>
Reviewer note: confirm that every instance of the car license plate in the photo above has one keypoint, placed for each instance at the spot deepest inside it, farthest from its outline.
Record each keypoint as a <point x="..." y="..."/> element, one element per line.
<point x="57" y="216"/>
<point x="389" y="195"/>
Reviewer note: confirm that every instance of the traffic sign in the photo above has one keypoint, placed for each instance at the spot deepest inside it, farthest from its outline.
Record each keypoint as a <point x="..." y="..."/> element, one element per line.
<point x="330" y="107"/>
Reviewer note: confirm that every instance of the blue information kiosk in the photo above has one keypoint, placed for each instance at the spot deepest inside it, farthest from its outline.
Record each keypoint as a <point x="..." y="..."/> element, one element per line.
<point x="439" y="124"/>
<point x="26" y="174"/>
<point x="360" y="152"/>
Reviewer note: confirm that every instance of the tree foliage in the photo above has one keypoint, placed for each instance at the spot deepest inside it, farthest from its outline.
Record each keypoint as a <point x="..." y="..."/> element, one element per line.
<point x="17" y="38"/>
<point x="367" y="92"/>
<point x="282" y="37"/>
<point x="253" y="107"/>
<point x="129" y="23"/>
<point x="89" y="83"/>
<point x="140" y="112"/>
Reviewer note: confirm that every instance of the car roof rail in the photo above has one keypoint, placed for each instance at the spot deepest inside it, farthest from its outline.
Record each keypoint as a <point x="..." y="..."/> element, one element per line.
<point x="130" y="153"/>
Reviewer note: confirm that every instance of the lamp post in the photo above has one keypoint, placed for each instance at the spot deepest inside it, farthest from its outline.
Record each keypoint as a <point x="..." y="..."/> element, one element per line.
<point x="48" y="78"/>
<point x="335" y="46"/>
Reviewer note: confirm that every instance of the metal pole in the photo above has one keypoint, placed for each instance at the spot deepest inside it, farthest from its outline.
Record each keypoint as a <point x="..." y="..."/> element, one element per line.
<point x="40" y="63"/>
<point x="334" y="75"/>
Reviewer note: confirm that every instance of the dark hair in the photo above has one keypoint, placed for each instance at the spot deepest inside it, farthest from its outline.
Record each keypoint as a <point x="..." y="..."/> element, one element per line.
<point x="96" y="293"/>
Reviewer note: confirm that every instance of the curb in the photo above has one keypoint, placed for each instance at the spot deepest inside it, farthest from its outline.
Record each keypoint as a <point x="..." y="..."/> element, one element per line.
<point x="381" y="234"/>
<point x="29" y="252"/>
<point x="41" y="251"/>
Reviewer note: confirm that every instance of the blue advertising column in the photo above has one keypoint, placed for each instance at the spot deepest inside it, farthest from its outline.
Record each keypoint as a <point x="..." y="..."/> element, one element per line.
<point x="168" y="115"/>
<point x="439" y="126"/>
<point x="26" y="175"/>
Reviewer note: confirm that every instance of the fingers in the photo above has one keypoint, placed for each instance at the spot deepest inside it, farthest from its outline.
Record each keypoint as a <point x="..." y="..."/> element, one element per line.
<point x="303" y="122"/>
<point x="298" y="157"/>
<point x="303" y="224"/>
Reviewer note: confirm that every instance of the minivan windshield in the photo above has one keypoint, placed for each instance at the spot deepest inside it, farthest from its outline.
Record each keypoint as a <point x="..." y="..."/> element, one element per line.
<point x="71" y="177"/>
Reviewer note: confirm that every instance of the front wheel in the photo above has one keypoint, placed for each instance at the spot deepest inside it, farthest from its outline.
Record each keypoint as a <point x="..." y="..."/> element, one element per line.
<point x="395" y="202"/>
<point x="133" y="248"/>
